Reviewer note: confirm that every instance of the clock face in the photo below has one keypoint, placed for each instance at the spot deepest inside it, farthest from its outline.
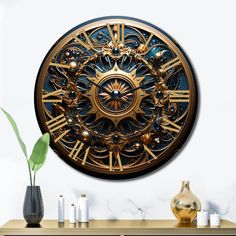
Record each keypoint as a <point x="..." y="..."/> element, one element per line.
<point x="118" y="97"/>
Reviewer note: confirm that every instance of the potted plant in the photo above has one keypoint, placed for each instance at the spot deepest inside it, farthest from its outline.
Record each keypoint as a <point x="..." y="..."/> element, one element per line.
<point x="33" y="209"/>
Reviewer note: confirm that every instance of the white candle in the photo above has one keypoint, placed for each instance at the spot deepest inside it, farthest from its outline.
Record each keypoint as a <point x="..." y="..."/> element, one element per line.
<point x="72" y="214"/>
<point x="215" y="220"/>
<point x="61" y="209"/>
<point x="202" y="218"/>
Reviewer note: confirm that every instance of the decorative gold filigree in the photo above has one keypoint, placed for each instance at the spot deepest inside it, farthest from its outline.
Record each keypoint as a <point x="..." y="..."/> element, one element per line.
<point x="108" y="50"/>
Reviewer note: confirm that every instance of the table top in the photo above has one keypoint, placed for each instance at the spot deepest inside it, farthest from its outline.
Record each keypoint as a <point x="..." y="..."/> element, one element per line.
<point x="117" y="227"/>
<point x="110" y="224"/>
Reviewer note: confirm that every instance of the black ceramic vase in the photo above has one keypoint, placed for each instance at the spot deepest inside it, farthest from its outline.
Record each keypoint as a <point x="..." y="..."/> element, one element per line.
<point x="33" y="205"/>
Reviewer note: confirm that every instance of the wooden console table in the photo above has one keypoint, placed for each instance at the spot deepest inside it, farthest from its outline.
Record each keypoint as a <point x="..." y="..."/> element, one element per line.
<point x="115" y="228"/>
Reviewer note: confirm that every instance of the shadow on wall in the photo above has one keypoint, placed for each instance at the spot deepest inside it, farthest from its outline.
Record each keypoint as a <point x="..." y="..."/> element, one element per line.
<point x="226" y="204"/>
<point x="212" y="207"/>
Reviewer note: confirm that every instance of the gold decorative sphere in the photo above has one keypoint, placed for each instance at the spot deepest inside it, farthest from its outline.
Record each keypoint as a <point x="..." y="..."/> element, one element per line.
<point x="73" y="65"/>
<point x="137" y="145"/>
<point x="158" y="55"/>
<point x="85" y="135"/>
<point x="69" y="121"/>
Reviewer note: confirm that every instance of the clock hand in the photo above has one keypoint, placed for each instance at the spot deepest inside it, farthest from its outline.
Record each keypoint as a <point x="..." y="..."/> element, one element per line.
<point x="129" y="91"/>
<point x="103" y="89"/>
<point x="133" y="89"/>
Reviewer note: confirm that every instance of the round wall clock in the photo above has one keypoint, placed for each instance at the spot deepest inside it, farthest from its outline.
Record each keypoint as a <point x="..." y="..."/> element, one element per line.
<point x="118" y="97"/>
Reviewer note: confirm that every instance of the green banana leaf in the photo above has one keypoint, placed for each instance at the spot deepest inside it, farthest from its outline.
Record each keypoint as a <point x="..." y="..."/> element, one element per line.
<point x="14" y="126"/>
<point x="39" y="153"/>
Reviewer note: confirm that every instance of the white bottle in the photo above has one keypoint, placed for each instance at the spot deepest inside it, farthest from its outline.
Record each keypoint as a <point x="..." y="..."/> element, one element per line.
<point x="72" y="214"/>
<point x="61" y="209"/>
<point x="83" y="209"/>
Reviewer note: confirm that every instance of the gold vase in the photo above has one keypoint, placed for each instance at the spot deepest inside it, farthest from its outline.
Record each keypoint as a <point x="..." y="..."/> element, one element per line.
<point x="185" y="205"/>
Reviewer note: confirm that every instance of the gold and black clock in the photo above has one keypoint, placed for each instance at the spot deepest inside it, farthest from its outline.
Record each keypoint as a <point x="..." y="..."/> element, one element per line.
<point x="118" y="97"/>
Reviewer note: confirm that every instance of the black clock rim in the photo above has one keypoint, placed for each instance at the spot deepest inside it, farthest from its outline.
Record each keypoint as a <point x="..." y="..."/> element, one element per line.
<point x="171" y="155"/>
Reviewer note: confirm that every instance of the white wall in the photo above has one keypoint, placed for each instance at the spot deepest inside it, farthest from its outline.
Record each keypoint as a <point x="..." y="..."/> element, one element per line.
<point x="205" y="29"/>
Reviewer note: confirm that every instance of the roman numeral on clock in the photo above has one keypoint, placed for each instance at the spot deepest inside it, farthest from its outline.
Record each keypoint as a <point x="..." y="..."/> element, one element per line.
<point x="149" y="151"/>
<point x="56" y="123"/>
<point x="85" y="156"/>
<point x="117" y="156"/>
<point x="179" y="96"/>
<point x="59" y="65"/>
<point x="148" y="40"/>
<point x="61" y="135"/>
<point x="87" y="44"/>
<point x="76" y="149"/>
<point x="110" y="160"/>
<point x="170" y="64"/>
<point x="119" y="37"/>
<point x="171" y="126"/>
<point x="56" y="93"/>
